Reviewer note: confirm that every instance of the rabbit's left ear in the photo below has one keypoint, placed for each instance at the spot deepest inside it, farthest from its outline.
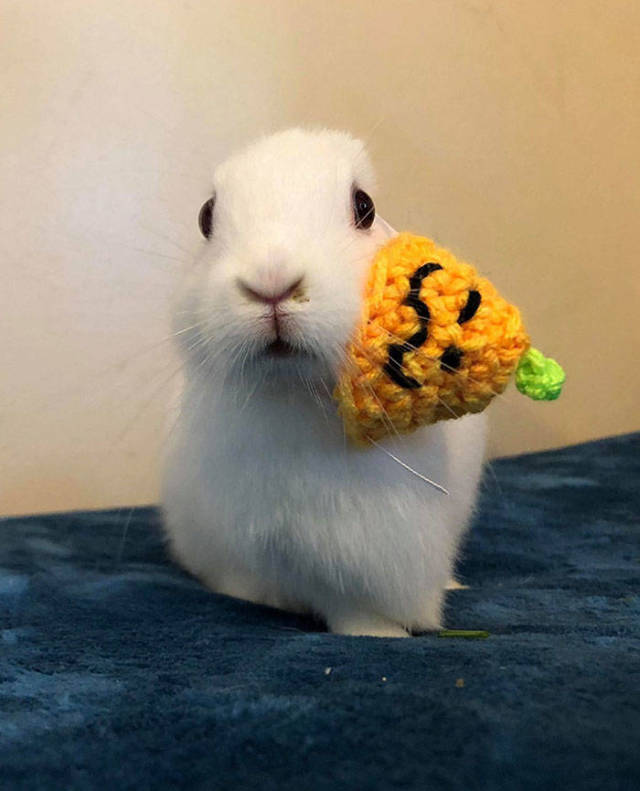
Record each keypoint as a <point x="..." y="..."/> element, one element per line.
<point x="384" y="226"/>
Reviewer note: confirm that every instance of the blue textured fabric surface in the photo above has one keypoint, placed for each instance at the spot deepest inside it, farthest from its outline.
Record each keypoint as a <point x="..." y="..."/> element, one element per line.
<point x="117" y="670"/>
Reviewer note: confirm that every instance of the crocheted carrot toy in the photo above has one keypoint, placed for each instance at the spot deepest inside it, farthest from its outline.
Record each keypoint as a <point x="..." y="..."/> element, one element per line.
<point x="435" y="341"/>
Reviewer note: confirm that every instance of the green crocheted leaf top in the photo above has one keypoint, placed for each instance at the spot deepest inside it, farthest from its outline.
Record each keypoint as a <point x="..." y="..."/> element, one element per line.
<point x="539" y="377"/>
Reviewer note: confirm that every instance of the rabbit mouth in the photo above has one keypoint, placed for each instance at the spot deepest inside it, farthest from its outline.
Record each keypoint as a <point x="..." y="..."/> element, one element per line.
<point x="281" y="348"/>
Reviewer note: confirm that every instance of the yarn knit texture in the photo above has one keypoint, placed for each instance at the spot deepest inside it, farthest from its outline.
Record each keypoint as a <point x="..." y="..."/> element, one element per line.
<point x="435" y="341"/>
<point x="539" y="377"/>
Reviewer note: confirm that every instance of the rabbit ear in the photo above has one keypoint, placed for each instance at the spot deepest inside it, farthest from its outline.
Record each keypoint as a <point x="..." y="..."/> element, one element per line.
<point x="384" y="226"/>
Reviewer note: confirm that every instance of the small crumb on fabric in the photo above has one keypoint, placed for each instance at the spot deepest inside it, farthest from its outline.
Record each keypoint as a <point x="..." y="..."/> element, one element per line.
<point x="459" y="683"/>
<point x="384" y="678"/>
<point x="327" y="670"/>
<point x="469" y="634"/>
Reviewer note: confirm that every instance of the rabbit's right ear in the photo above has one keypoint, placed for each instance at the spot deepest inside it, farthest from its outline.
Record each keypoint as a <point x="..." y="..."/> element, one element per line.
<point x="384" y="226"/>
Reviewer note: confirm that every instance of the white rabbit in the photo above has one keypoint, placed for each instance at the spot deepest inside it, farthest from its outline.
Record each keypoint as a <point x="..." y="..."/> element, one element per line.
<point x="264" y="499"/>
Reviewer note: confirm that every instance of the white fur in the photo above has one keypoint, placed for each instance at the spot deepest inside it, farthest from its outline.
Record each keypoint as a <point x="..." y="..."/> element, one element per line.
<point x="264" y="499"/>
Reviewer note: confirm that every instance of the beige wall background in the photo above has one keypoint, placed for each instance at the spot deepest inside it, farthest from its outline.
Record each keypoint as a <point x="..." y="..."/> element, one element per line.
<point x="508" y="130"/>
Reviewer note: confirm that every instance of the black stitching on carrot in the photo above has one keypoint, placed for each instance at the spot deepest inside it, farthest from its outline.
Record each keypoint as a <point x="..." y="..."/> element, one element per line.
<point x="451" y="359"/>
<point x="471" y="308"/>
<point x="393" y="366"/>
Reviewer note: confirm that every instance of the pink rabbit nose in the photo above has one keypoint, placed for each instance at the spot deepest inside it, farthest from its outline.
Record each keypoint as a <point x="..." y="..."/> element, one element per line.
<point x="292" y="291"/>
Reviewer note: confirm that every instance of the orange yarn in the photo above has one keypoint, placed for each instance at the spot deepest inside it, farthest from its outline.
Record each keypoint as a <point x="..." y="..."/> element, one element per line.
<point x="435" y="341"/>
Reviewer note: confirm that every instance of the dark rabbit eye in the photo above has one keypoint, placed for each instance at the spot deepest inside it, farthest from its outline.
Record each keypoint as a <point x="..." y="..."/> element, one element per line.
<point x="205" y="218"/>
<point x="364" y="211"/>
